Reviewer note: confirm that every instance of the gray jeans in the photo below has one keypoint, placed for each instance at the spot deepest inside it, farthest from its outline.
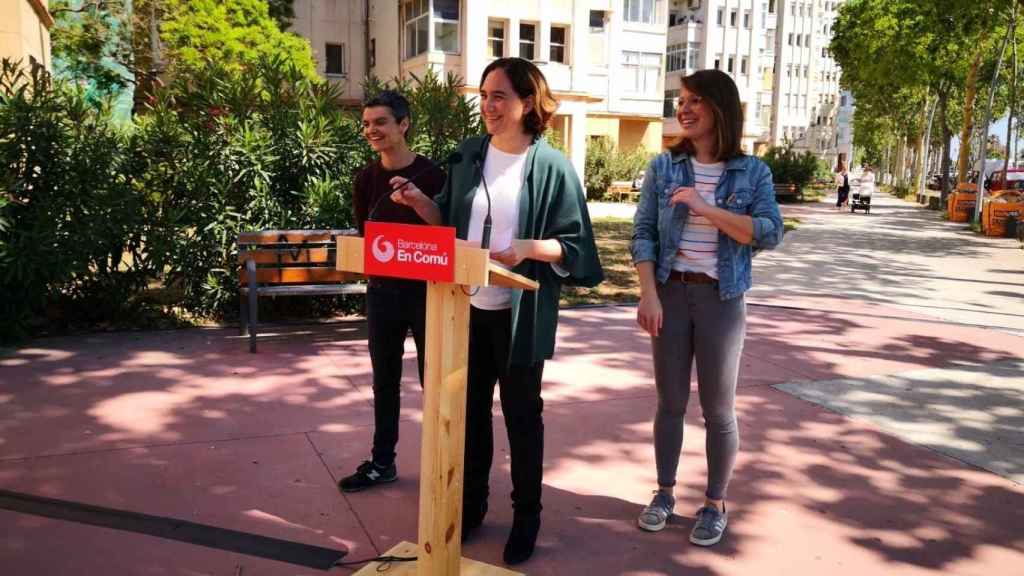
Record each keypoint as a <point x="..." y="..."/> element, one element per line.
<point x="697" y="323"/>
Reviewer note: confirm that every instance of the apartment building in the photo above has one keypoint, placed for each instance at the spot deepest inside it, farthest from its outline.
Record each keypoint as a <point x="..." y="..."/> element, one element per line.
<point x="25" y="31"/>
<point x="806" y="99"/>
<point x="604" y="59"/>
<point x="776" y="51"/>
<point x="844" y="126"/>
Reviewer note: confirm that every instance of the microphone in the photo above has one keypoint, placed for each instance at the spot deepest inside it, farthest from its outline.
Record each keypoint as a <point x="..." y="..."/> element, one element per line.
<point x="485" y="236"/>
<point x="453" y="158"/>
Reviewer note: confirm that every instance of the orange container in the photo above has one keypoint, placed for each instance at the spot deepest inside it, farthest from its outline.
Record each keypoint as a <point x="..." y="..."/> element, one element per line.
<point x="961" y="205"/>
<point x="998" y="208"/>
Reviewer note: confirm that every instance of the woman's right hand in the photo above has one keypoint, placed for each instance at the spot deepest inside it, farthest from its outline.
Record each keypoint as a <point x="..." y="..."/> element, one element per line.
<point x="405" y="192"/>
<point x="649" y="315"/>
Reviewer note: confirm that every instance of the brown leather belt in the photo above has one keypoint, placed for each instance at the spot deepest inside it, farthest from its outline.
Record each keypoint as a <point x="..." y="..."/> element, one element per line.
<point x="691" y="277"/>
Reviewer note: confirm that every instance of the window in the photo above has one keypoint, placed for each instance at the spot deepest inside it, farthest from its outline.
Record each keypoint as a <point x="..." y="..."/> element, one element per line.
<point x="744" y="65"/>
<point x="790" y="38"/>
<point x="693" y="55"/>
<point x="732" y="18"/>
<point x="789" y="71"/>
<point x="597" y="20"/>
<point x="373" y="52"/>
<point x="731" y="67"/>
<point x="771" y="6"/>
<point x="417" y="27"/>
<point x="639" y="11"/>
<point x="527" y="41"/>
<point x="420" y="16"/>
<point x="670" y="103"/>
<point x="495" y="38"/>
<point x="446" y="25"/>
<point x="805" y="71"/>
<point x="675" y="56"/>
<point x="721" y="16"/>
<point x="799" y="39"/>
<point x="807" y="40"/>
<point x="335" y="59"/>
<point x="746" y="19"/>
<point x="642" y="72"/>
<point x="558" y="35"/>
<point x="718" y="62"/>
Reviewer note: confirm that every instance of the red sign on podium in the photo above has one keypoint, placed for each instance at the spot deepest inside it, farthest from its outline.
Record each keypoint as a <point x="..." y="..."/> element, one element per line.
<point x="409" y="251"/>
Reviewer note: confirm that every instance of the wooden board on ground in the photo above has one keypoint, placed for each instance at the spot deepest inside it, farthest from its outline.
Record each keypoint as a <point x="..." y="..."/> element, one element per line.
<point x="468" y="568"/>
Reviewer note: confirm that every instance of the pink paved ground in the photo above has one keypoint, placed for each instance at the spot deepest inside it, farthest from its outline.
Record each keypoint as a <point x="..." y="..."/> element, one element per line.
<point x="187" y="424"/>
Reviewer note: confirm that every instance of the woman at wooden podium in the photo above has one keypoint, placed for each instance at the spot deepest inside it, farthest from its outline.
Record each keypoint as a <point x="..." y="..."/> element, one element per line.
<point x="522" y="199"/>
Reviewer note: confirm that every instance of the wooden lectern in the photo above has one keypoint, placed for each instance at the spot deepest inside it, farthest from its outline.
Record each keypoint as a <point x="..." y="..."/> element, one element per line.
<point x="444" y="412"/>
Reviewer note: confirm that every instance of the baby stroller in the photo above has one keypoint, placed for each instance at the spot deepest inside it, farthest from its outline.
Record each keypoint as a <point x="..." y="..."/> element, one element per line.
<point x="860" y="197"/>
<point x="860" y="200"/>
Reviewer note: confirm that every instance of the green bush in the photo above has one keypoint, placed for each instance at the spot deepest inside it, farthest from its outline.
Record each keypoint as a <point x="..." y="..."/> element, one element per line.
<point x="69" y="221"/>
<point x="92" y="214"/>
<point x="604" y="165"/>
<point x="790" y="167"/>
<point x="441" y="116"/>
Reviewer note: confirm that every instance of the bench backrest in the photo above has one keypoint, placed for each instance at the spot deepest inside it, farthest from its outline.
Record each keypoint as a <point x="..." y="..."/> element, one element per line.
<point x="291" y="257"/>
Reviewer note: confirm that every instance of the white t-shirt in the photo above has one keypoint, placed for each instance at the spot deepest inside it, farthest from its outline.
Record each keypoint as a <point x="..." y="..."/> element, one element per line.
<point x="698" y="248"/>
<point x="504" y="174"/>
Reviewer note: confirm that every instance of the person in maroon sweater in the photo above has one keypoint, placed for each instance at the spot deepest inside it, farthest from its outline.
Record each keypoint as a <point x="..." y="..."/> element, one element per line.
<point x="393" y="306"/>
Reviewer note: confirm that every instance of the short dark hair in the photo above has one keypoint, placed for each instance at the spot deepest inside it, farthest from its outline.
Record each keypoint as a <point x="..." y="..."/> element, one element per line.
<point x="527" y="80"/>
<point x="719" y="92"/>
<point x="394" y="101"/>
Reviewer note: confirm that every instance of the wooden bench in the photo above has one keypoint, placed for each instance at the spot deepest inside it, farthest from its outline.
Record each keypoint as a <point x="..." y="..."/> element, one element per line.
<point x="288" y="263"/>
<point x="623" y="192"/>
<point x="788" y="190"/>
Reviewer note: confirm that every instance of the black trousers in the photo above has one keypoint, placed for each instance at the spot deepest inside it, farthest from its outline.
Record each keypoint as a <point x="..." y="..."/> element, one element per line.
<point x="490" y="335"/>
<point x="393" y="308"/>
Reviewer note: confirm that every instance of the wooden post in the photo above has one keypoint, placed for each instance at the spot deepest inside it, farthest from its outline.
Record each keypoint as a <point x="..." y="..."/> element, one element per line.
<point x="444" y="429"/>
<point x="439" y="552"/>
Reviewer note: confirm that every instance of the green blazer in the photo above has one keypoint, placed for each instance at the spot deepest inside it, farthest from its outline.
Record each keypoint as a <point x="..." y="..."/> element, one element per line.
<point x="552" y="205"/>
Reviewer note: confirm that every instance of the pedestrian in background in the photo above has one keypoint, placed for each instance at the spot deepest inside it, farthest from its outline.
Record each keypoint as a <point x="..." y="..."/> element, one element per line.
<point x="842" y="184"/>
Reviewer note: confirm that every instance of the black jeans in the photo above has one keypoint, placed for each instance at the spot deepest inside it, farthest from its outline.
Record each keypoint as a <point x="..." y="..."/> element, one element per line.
<point x="393" y="307"/>
<point x="490" y="335"/>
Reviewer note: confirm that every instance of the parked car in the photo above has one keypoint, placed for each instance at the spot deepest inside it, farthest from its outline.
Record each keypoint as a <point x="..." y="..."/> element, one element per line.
<point x="1012" y="179"/>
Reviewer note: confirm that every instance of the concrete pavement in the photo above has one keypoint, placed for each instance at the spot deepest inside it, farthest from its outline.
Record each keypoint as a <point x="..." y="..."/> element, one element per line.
<point x="877" y="438"/>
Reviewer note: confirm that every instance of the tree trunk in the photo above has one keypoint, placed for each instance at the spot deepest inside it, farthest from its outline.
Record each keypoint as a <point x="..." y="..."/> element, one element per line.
<point x="970" y="90"/>
<point x="919" y="148"/>
<point x="1013" y="106"/>
<point x="947" y="140"/>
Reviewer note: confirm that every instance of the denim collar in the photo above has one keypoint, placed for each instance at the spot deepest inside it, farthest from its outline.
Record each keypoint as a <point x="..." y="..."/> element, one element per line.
<point x="737" y="163"/>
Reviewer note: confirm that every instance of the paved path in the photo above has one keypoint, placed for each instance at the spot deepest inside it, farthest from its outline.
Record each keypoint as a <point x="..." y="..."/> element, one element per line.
<point x="877" y="437"/>
<point x="898" y="255"/>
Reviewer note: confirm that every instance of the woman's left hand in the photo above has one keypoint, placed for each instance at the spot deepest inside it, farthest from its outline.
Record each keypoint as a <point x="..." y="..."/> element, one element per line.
<point x="688" y="195"/>
<point x="519" y="250"/>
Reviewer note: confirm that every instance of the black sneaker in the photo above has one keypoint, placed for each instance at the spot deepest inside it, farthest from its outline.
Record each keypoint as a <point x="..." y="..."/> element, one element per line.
<point x="368" y="475"/>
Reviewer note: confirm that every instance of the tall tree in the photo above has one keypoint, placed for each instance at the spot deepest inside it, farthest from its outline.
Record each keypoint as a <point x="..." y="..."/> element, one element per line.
<point x="91" y="43"/>
<point x="890" y="46"/>
<point x="283" y="11"/>
<point x="238" y="33"/>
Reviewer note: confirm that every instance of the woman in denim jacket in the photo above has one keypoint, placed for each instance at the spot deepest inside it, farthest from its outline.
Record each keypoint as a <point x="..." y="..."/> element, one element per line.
<point x="705" y="207"/>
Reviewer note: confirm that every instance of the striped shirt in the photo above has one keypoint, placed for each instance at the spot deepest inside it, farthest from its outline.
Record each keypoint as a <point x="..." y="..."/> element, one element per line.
<point x="698" y="248"/>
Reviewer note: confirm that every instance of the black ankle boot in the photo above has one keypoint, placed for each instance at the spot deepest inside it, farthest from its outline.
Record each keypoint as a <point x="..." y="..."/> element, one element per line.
<point x="522" y="538"/>
<point x="472" y="517"/>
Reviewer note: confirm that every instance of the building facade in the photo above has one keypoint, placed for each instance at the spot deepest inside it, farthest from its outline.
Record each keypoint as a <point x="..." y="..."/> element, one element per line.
<point x="25" y="31"/>
<point x="777" y="52"/>
<point x="604" y="59"/>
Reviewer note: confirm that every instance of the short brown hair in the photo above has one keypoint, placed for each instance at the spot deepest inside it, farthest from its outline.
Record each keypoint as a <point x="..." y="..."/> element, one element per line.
<point x="527" y="80"/>
<point x="720" y="93"/>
